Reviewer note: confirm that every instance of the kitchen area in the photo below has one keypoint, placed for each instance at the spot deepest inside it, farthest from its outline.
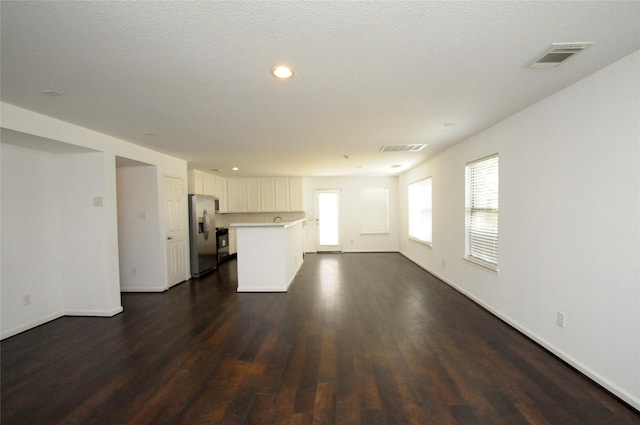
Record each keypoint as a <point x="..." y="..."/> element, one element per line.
<point x="221" y="210"/>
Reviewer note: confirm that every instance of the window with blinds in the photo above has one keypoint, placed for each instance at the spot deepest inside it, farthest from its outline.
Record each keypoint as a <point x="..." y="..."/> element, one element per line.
<point x="420" y="211"/>
<point x="481" y="202"/>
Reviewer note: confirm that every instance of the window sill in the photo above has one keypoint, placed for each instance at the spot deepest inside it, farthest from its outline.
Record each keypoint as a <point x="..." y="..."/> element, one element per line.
<point x="421" y="242"/>
<point x="493" y="268"/>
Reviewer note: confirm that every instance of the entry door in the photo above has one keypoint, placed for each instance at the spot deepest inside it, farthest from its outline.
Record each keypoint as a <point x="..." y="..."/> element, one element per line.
<point x="175" y="229"/>
<point x="328" y="221"/>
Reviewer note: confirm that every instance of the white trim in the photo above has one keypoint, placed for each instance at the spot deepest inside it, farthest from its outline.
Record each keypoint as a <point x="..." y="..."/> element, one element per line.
<point x="144" y="289"/>
<point x="30" y="325"/>
<point x="94" y="313"/>
<point x="420" y="241"/>
<point x="482" y="264"/>
<point x="600" y="380"/>
<point x="262" y="289"/>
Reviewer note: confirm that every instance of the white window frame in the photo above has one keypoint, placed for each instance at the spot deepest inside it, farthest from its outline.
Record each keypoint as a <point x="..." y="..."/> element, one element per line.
<point x="481" y="212"/>
<point x="420" y="211"/>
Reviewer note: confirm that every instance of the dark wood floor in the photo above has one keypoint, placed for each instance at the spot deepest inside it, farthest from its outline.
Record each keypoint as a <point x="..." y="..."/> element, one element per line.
<point x="359" y="339"/>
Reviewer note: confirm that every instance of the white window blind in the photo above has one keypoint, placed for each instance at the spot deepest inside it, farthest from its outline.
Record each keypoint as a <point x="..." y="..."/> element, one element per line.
<point x="482" y="211"/>
<point x="420" y="211"/>
<point x="374" y="205"/>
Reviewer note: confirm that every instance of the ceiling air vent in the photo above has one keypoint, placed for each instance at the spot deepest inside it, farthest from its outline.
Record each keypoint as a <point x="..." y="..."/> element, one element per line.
<point x="401" y="148"/>
<point x="559" y="53"/>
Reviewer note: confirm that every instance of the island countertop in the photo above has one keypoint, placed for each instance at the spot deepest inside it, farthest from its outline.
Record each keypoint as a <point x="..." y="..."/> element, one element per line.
<point x="268" y="224"/>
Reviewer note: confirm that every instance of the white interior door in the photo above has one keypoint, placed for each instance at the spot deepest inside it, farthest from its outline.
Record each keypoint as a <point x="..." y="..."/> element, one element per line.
<point x="327" y="208"/>
<point x="175" y="229"/>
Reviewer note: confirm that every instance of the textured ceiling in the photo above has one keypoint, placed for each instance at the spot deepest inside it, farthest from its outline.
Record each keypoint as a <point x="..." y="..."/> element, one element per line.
<point x="197" y="74"/>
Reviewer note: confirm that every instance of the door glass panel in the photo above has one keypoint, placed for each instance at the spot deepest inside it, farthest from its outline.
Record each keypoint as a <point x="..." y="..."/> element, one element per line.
<point x="328" y="215"/>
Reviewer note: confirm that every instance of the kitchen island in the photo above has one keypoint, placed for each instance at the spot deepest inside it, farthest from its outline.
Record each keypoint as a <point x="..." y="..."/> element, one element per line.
<point x="269" y="255"/>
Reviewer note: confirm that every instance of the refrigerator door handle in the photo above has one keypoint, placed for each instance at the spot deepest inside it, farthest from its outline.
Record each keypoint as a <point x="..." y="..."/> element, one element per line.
<point x="207" y="226"/>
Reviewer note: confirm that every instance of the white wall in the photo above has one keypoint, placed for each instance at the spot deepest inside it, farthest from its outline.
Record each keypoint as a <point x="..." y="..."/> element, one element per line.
<point x="88" y="264"/>
<point x="139" y="223"/>
<point x="351" y="212"/>
<point x="569" y="224"/>
<point x="30" y="231"/>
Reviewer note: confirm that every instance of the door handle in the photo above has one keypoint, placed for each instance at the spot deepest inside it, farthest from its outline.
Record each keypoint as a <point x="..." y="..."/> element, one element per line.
<point x="170" y="238"/>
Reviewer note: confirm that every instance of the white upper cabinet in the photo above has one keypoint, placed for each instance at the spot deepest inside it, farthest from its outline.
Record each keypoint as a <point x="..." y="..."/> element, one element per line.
<point x="268" y="194"/>
<point x="237" y="191"/>
<point x="253" y="195"/>
<point x="281" y="185"/>
<point x="221" y="192"/>
<point x="201" y="183"/>
<point x="195" y="182"/>
<point x="295" y="194"/>
<point x="209" y="184"/>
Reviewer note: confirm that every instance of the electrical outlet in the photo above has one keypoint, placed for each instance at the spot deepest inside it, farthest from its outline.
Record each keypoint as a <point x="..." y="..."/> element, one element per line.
<point x="26" y="299"/>
<point x="134" y="271"/>
<point x="560" y="319"/>
<point x="443" y="263"/>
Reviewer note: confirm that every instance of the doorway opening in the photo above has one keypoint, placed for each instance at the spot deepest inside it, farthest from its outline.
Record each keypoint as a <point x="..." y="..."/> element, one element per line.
<point x="327" y="212"/>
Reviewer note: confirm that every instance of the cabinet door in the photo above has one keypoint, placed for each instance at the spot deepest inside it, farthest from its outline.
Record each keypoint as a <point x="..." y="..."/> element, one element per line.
<point x="237" y="191"/>
<point x="221" y="192"/>
<point x="267" y="195"/>
<point x="195" y="182"/>
<point x="232" y="241"/>
<point x="208" y="184"/>
<point x="295" y="194"/>
<point x="253" y="195"/>
<point x="282" y="194"/>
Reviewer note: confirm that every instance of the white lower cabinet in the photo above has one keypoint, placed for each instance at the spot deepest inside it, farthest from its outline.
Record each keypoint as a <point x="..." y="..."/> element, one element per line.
<point x="233" y="241"/>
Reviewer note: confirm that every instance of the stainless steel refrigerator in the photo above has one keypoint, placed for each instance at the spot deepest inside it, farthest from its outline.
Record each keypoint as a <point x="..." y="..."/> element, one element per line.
<point x="202" y="234"/>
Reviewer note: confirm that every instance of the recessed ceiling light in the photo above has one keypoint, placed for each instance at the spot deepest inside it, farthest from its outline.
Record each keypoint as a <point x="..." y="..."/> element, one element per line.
<point x="282" y="72"/>
<point x="149" y="133"/>
<point x="235" y="168"/>
<point x="50" y="92"/>
<point x="396" y="166"/>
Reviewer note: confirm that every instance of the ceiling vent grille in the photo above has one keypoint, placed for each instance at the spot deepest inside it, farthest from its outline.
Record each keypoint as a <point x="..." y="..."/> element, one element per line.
<point x="402" y="148"/>
<point x="559" y="53"/>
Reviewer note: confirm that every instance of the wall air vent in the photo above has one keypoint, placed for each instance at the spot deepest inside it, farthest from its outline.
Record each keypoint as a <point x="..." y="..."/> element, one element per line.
<point x="559" y="53"/>
<point x="401" y="148"/>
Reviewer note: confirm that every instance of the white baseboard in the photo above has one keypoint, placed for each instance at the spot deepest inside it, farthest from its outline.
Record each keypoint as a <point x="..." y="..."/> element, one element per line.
<point x="144" y="289"/>
<point x="593" y="375"/>
<point x="95" y="313"/>
<point x="30" y="325"/>
<point x="43" y="320"/>
<point x="262" y="289"/>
